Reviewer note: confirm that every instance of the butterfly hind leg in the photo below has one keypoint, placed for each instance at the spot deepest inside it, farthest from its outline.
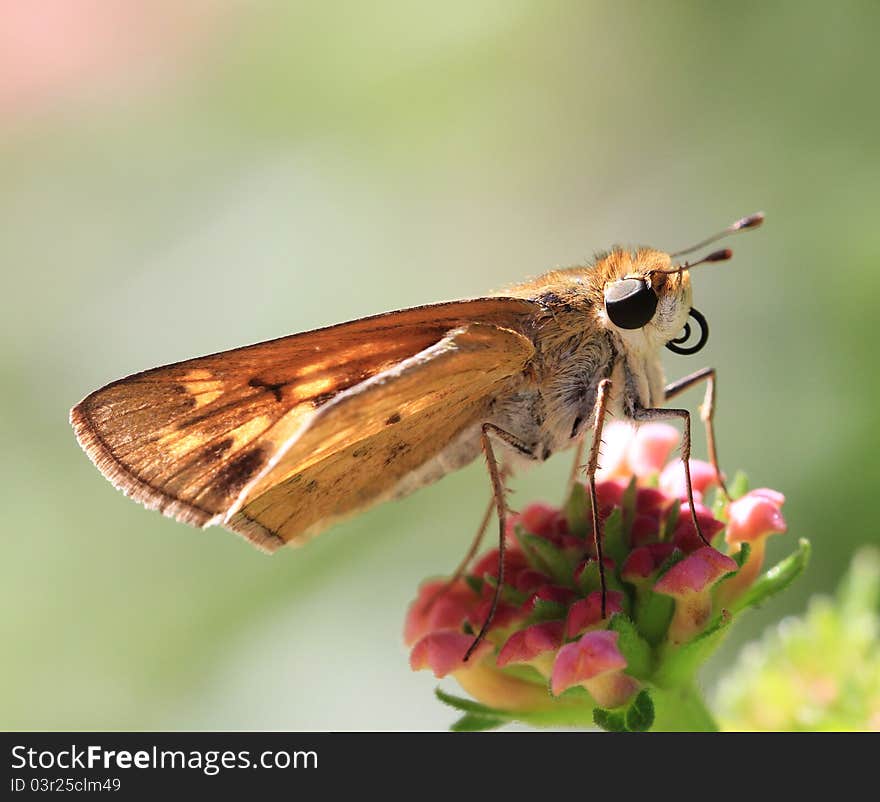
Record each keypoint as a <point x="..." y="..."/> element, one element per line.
<point x="496" y="474"/>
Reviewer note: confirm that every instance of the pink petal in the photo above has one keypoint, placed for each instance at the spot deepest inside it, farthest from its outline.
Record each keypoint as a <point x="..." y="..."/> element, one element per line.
<point x="644" y="560"/>
<point x="644" y="530"/>
<point x="514" y="562"/>
<point x="696" y="573"/>
<point x="505" y="615"/>
<point x="609" y="493"/>
<point x="650" y="501"/>
<point x="616" y="437"/>
<point x="651" y="447"/>
<point x="754" y="516"/>
<point x="771" y="495"/>
<point x="431" y="612"/>
<point x="587" y="612"/>
<point x="443" y="652"/>
<point x="528" y="643"/>
<point x="594" y="654"/>
<point x="685" y="535"/>
<point x="529" y="580"/>
<point x="674" y="482"/>
<point x="540" y="519"/>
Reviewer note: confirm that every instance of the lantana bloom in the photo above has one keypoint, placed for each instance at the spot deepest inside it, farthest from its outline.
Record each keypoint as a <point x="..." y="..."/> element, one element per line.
<point x="550" y="656"/>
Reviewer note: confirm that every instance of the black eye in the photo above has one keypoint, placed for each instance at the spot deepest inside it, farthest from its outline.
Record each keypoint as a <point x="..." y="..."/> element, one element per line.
<point x="630" y="303"/>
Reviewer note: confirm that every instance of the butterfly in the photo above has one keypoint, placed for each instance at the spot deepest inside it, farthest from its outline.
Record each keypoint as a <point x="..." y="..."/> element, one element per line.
<point x="279" y="440"/>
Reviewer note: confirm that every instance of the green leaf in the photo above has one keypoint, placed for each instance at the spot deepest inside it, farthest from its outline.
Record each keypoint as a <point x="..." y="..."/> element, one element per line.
<point x="779" y="577"/>
<point x="632" y="646"/>
<point x="543" y="556"/>
<point x="610" y="720"/>
<point x="613" y="537"/>
<point x="577" y="512"/>
<point x="471" y="723"/>
<point x="635" y="716"/>
<point x="640" y="714"/>
<point x="469" y="705"/>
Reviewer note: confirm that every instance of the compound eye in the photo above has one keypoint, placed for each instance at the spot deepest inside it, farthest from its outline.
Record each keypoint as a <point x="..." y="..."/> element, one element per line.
<point x="630" y="303"/>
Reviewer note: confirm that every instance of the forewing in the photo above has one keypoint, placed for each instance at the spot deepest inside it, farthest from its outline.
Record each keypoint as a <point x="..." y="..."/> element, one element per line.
<point x="359" y="448"/>
<point x="188" y="438"/>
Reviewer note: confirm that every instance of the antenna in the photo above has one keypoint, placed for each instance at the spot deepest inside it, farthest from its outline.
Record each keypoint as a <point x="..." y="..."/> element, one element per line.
<point x="743" y="224"/>
<point x="716" y="256"/>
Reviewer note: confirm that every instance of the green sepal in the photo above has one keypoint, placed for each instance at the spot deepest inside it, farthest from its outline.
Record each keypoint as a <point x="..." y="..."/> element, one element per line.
<point x="742" y="555"/>
<point x="669" y="522"/>
<point x="574" y="708"/>
<point x="737" y="489"/>
<point x="589" y="582"/>
<point x="678" y="664"/>
<point x="469" y="705"/>
<point x="477" y="717"/>
<point x="475" y="583"/>
<point x="543" y="556"/>
<point x="653" y="612"/>
<point x="473" y="723"/>
<point x="739" y="486"/>
<point x="614" y="538"/>
<point x="577" y="512"/>
<point x="779" y="577"/>
<point x="636" y="716"/>
<point x="632" y="645"/>
<point x="509" y="594"/>
<point x="544" y="610"/>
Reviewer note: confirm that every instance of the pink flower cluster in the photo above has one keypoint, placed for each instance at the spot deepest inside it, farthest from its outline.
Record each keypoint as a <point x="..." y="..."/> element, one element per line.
<point x="548" y="634"/>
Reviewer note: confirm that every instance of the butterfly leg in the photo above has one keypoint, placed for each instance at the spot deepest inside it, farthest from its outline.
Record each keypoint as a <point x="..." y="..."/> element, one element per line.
<point x="599" y="411"/>
<point x="707" y="413"/>
<point x="643" y="414"/>
<point x="488" y="431"/>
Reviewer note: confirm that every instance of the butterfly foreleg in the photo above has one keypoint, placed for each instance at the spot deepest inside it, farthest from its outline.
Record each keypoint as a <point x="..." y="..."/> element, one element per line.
<point x="707" y="413"/>
<point x="643" y="414"/>
<point x="496" y="474"/>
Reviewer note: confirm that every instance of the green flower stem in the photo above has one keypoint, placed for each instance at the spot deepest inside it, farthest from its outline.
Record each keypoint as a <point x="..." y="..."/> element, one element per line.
<point x="681" y="709"/>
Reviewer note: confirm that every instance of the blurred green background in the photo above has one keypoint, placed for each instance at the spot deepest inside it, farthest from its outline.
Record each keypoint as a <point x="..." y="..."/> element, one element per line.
<point x="174" y="183"/>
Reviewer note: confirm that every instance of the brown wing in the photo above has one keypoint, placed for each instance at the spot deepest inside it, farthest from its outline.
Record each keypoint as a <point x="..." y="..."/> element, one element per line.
<point x="356" y="450"/>
<point x="187" y="438"/>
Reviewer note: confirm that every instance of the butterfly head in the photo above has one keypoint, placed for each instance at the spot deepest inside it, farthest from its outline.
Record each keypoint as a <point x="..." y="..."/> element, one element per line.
<point x="647" y="298"/>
